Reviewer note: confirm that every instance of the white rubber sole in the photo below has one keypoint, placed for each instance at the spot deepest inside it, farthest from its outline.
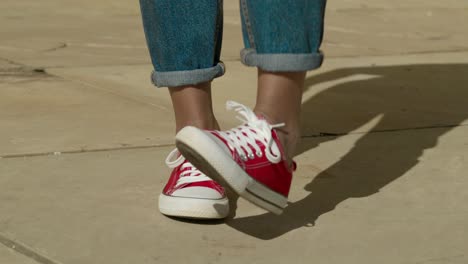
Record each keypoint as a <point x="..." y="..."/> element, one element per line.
<point x="205" y="154"/>
<point x="193" y="208"/>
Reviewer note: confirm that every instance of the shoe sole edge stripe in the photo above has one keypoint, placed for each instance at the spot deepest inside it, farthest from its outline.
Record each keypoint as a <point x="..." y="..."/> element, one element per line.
<point x="186" y="207"/>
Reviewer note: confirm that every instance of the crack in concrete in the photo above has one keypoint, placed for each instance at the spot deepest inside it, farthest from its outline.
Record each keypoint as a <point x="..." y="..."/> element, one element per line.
<point x="60" y="46"/>
<point x="21" y="71"/>
<point x="18" y="69"/>
<point x="26" y="251"/>
<point x="14" y="63"/>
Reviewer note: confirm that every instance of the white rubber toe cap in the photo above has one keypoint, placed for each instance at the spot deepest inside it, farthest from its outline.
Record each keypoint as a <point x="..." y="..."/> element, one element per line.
<point x="198" y="192"/>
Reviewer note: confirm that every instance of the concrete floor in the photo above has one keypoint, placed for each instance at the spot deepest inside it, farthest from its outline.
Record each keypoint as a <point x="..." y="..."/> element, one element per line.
<point x="382" y="167"/>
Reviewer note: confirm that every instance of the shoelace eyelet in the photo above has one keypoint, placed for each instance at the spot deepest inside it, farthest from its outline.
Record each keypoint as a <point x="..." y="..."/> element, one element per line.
<point x="253" y="132"/>
<point x="243" y="157"/>
<point x="251" y="156"/>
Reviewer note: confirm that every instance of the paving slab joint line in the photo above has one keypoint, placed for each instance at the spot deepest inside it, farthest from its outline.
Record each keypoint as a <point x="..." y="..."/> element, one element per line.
<point x="326" y="134"/>
<point x="78" y="151"/>
<point x="26" y="251"/>
<point x="320" y="134"/>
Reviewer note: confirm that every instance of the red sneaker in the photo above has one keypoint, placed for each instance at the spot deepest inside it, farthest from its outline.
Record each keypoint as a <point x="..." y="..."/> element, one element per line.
<point x="249" y="158"/>
<point x="191" y="194"/>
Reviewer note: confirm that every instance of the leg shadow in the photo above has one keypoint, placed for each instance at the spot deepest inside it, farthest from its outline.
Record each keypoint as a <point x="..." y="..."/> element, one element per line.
<point x="409" y="99"/>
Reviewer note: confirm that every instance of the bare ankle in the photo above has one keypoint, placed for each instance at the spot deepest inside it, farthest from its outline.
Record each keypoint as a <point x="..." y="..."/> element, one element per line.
<point x="289" y="141"/>
<point x="193" y="106"/>
<point x="207" y="122"/>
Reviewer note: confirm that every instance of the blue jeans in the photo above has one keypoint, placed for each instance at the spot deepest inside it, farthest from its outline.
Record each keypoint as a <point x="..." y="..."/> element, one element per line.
<point x="184" y="37"/>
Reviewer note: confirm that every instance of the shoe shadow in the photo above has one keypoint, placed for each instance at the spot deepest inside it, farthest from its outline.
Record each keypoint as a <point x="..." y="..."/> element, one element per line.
<point x="404" y="99"/>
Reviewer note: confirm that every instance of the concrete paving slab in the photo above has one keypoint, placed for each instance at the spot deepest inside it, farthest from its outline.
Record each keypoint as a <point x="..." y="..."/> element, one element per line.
<point x="42" y="113"/>
<point x="110" y="33"/>
<point x="359" y="28"/>
<point x="400" y="92"/>
<point x="85" y="33"/>
<point x="73" y="34"/>
<point x="395" y="197"/>
<point x="382" y="166"/>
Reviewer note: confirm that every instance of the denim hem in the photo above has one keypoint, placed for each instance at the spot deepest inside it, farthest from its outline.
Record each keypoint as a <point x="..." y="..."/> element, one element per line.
<point x="286" y="62"/>
<point x="188" y="77"/>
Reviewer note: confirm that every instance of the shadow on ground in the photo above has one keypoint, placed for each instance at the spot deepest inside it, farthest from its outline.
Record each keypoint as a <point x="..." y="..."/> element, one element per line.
<point x="405" y="99"/>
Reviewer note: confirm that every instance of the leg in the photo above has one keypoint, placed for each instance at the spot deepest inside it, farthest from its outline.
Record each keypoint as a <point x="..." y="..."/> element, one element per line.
<point x="279" y="96"/>
<point x="184" y="40"/>
<point x="283" y="50"/>
<point x="282" y="38"/>
<point x="193" y="106"/>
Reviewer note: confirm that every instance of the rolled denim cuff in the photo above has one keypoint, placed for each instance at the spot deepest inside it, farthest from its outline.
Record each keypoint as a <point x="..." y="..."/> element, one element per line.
<point x="282" y="62"/>
<point x="189" y="77"/>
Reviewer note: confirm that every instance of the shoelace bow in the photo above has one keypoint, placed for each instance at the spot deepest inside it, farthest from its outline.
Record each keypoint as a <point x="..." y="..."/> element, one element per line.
<point x="244" y="138"/>
<point x="189" y="173"/>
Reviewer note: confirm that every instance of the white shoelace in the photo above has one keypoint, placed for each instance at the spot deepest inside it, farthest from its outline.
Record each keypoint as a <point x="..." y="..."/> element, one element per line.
<point x="189" y="173"/>
<point x="244" y="138"/>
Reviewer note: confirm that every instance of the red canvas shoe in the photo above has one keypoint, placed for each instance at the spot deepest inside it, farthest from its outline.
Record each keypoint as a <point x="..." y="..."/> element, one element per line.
<point x="191" y="194"/>
<point x="249" y="158"/>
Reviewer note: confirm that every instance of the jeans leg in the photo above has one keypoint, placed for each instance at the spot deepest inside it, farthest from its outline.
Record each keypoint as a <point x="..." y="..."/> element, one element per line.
<point x="282" y="35"/>
<point x="184" y="40"/>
